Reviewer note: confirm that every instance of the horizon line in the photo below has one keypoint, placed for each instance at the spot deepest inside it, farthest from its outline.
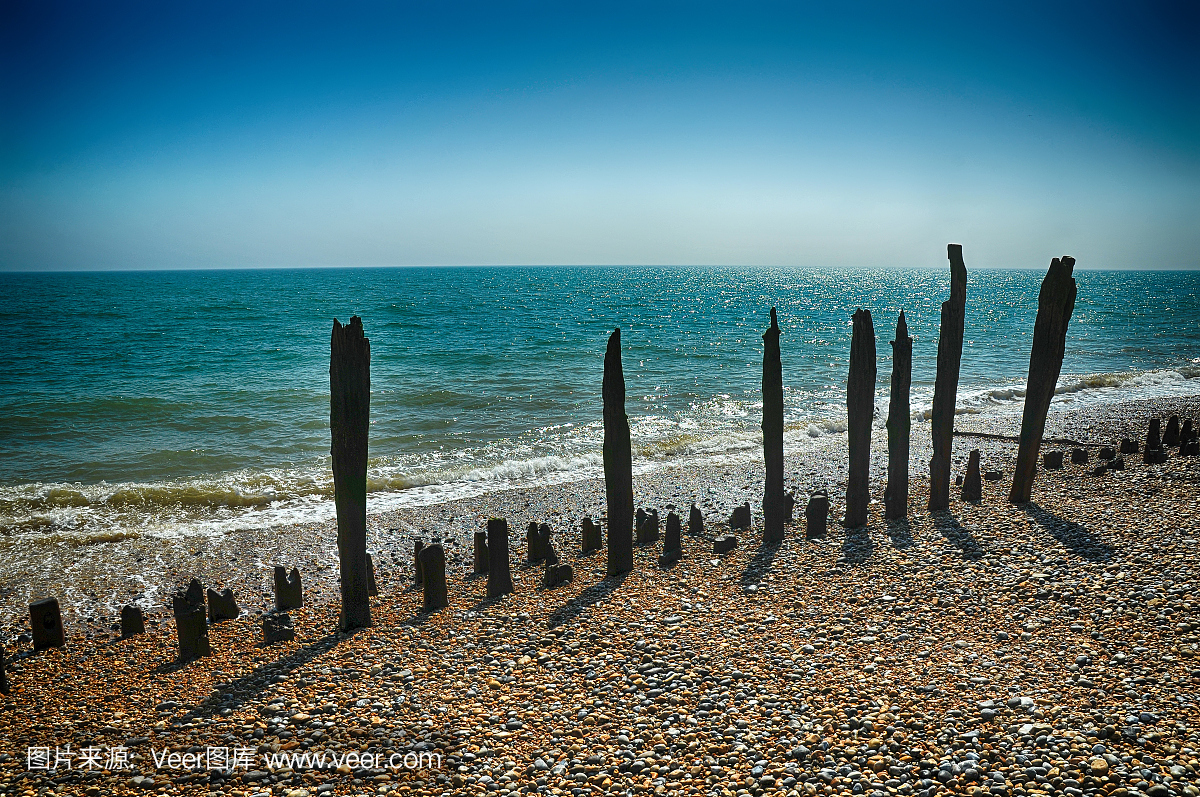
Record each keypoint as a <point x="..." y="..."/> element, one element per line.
<point x="186" y="269"/>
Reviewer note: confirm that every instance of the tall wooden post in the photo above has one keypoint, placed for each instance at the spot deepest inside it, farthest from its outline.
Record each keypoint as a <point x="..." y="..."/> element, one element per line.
<point x="618" y="461"/>
<point x="1056" y="302"/>
<point x="899" y="423"/>
<point x="945" y="390"/>
<point x="772" y="428"/>
<point x="349" y="415"/>
<point x="860" y="410"/>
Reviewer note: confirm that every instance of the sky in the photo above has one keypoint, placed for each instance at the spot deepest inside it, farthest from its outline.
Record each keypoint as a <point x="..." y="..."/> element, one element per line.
<point x="194" y="135"/>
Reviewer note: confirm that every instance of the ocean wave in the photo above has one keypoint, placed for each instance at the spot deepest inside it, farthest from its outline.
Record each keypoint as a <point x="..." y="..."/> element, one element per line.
<point x="525" y="470"/>
<point x="723" y="428"/>
<point x="825" y="426"/>
<point x="1086" y="388"/>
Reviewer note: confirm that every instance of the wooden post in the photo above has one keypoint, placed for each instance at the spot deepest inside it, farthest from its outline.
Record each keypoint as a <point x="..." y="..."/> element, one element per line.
<point x="222" y="605"/>
<point x="191" y="624"/>
<point x="1171" y="433"/>
<point x="945" y="390"/>
<point x="591" y="536"/>
<point x="618" y="462"/>
<point x="289" y="591"/>
<point x="533" y="543"/>
<point x="972" y="486"/>
<point x="772" y="428"/>
<point x="499" y="581"/>
<point x="418" y="546"/>
<point x="349" y="416"/>
<point x="481" y="553"/>
<point x="278" y="627"/>
<point x="860" y="410"/>
<point x="133" y="622"/>
<point x="45" y="620"/>
<point x="899" y="423"/>
<point x="672" y="545"/>
<point x="816" y="515"/>
<point x="1056" y="302"/>
<point x="433" y="571"/>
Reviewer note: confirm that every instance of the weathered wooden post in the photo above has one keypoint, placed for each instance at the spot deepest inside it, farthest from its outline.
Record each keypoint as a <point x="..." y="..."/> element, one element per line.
<point x="537" y="539"/>
<point x="972" y="486"/>
<point x="45" y="620"/>
<point x="221" y="605"/>
<point x="3" y="674"/>
<point x="556" y="573"/>
<point x="816" y="515"/>
<point x="695" y="521"/>
<point x="349" y="417"/>
<point x="724" y="544"/>
<point x="618" y="461"/>
<point x="646" y="524"/>
<point x="899" y="423"/>
<point x="433" y="569"/>
<point x="418" y="545"/>
<point x="672" y="545"/>
<point x="133" y="622"/>
<point x="945" y="389"/>
<point x="591" y="536"/>
<point x="289" y="591"/>
<point x="1056" y="302"/>
<point x="860" y="410"/>
<point x="1154" y="453"/>
<point x="481" y="553"/>
<point x="1171" y="433"/>
<point x="772" y="429"/>
<point x="278" y="627"/>
<point x="1154" y="434"/>
<point x="187" y="604"/>
<point x="499" y="580"/>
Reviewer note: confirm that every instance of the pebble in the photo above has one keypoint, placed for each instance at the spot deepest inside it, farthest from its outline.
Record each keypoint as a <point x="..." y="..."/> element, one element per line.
<point x="683" y="681"/>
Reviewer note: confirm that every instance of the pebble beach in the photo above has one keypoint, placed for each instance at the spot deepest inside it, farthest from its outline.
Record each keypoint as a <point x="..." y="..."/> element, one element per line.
<point x="1048" y="649"/>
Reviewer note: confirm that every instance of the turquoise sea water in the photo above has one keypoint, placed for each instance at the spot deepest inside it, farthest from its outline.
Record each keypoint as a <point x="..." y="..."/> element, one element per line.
<point x="193" y="402"/>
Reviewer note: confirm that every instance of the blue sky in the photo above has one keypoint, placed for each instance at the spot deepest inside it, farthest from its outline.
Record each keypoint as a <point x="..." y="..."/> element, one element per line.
<point x="164" y="135"/>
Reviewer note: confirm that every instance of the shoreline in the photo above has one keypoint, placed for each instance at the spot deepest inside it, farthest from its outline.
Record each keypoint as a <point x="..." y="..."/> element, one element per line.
<point x="869" y="657"/>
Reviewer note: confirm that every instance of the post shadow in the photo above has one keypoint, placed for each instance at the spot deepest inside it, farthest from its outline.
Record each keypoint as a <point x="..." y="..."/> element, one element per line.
<point x="1073" y="536"/>
<point x="948" y="526"/>
<point x="240" y="690"/>
<point x="857" y="547"/>
<point x="585" y="600"/>
<point x="899" y="531"/>
<point x="758" y="566"/>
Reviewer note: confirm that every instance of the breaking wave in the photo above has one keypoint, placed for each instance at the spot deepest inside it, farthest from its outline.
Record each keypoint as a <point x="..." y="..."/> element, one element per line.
<point x="721" y="427"/>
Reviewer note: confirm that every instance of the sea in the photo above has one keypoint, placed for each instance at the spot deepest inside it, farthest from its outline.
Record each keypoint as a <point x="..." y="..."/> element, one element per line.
<point x="179" y="403"/>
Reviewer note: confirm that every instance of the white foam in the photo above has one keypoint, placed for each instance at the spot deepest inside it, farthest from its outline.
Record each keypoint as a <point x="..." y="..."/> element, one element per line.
<point x="718" y="431"/>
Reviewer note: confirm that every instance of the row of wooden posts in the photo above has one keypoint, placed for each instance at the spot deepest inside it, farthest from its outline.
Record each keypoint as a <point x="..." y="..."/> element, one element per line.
<point x="196" y="608"/>
<point x="350" y="396"/>
<point x="350" y="393"/>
